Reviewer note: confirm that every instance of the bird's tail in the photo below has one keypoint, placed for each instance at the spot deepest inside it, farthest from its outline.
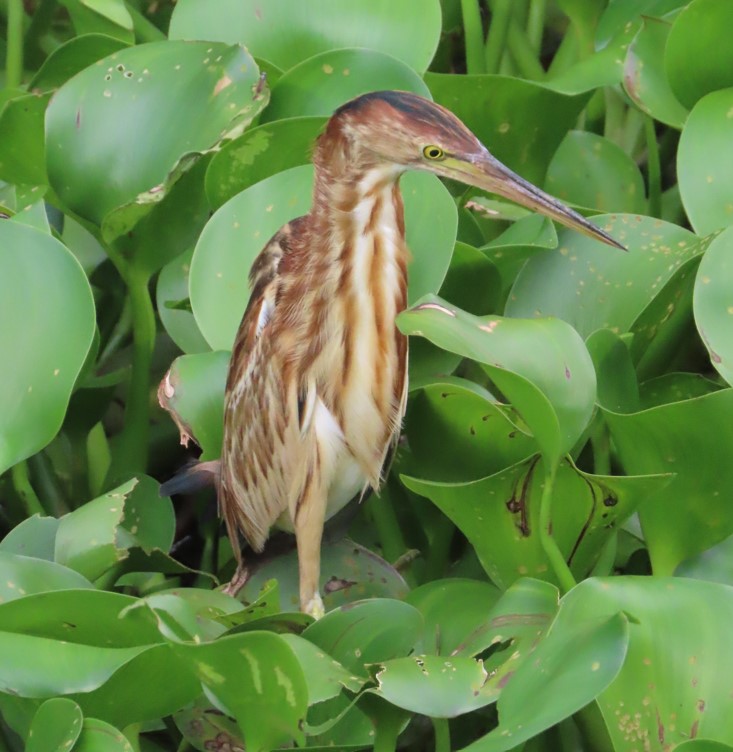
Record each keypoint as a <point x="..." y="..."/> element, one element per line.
<point x="192" y="477"/>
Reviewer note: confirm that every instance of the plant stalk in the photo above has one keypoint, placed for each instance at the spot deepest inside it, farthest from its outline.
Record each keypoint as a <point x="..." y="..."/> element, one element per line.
<point x="145" y="29"/>
<point x="523" y="53"/>
<point x="442" y="734"/>
<point x="22" y="484"/>
<point x="654" y="170"/>
<point x="496" y="39"/>
<point x="557" y="560"/>
<point x="536" y="24"/>
<point x="474" y="36"/>
<point x="14" y="41"/>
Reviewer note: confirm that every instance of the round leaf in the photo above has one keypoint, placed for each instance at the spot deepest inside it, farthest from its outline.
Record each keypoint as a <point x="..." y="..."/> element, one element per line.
<point x="591" y="171"/>
<point x="56" y="726"/>
<point x="46" y="296"/>
<point x="318" y="85"/>
<point x="705" y="162"/>
<point x="122" y="131"/>
<point x="23" y="575"/>
<point x="239" y="230"/>
<point x="98" y="736"/>
<point x="287" y="33"/>
<point x="698" y="57"/>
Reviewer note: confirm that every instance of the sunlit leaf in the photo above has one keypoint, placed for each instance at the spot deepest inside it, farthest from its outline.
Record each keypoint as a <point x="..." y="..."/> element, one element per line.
<point x="56" y="726"/>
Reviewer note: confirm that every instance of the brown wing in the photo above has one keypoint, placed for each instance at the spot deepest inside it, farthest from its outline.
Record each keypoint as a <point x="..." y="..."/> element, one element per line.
<point x="262" y="448"/>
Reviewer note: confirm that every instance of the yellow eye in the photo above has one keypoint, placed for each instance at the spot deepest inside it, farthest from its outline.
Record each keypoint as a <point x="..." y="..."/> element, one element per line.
<point x="433" y="153"/>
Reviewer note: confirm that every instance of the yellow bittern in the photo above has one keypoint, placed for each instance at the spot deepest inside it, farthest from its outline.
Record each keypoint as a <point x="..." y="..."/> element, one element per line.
<point x="317" y="382"/>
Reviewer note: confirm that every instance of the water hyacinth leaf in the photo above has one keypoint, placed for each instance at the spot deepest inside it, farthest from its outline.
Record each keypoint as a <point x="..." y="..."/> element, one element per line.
<point x="98" y="736"/>
<point x="111" y="147"/>
<point x="472" y="281"/>
<point x="574" y="662"/>
<point x="56" y="726"/>
<point x="72" y="57"/>
<point x="24" y="575"/>
<point x="593" y="172"/>
<point x="201" y="723"/>
<point x="259" y="153"/>
<point x="435" y="685"/>
<point x="238" y="231"/>
<point x="586" y="509"/>
<point x="174" y="307"/>
<point x="675" y="387"/>
<point x="320" y="84"/>
<point x="645" y="78"/>
<point x="698" y="58"/>
<point x="478" y="438"/>
<point x="704" y="163"/>
<point x="34" y="537"/>
<point x="193" y="392"/>
<point x="713" y="565"/>
<point x="713" y="303"/>
<point x="675" y="681"/>
<point x="502" y="112"/>
<point x="35" y="393"/>
<point x="109" y="17"/>
<point x="258" y="678"/>
<point x="349" y="572"/>
<point x="453" y="610"/>
<point x="22" y="155"/>
<point x="287" y="34"/>
<point x="703" y="745"/>
<point x="691" y="439"/>
<point x="580" y="282"/>
<point x="617" y="16"/>
<point x="325" y="676"/>
<point x="554" y="392"/>
<point x="370" y="631"/>
<point x="618" y="388"/>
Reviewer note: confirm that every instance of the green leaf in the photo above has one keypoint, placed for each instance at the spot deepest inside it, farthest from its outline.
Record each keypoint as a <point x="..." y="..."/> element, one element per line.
<point x="194" y="394"/>
<point x="121" y="132"/>
<point x="35" y="536"/>
<point x="586" y="508"/>
<point x="472" y="281"/>
<point x="594" y="287"/>
<point x="702" y="745"/>
<point x="645" y="79"/>
<point x="258" y="678"/>
<point x="713" y="303"/>
<point x="22" y="155"/>
<point x="553" y="390"/>
<point x="71" y="58"/>
<point x="674" y="387"/>
<point x="503" y="113"/>
<point x="320" y="84"/>
<point x="618" y="388"/>
<point x="56" y="726"/>
<point x="23" y="575"/>
<point x="453" y="610"/>
<point x="691" y="439"/>
<point x="35" y="392"/>
<point x="675" y="679"/>
<point x="109" y="17"/>
<point x="574" y="662"/>
<point x="287" y="34"/>
<point x="698" y="58"/>
<point x="259" y="153"/>
<point x="172" y="290"/>
<point x="201" y="724"/>
<point x="238" y="231"/>
<point x="98" y="736"/>
<point x="593" y="172"/>
<point x="705" y="161"/>
<point x="713" y="565"/>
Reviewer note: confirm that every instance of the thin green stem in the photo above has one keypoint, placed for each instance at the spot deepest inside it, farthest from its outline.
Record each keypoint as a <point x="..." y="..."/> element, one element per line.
<point x="654" y="170"/>
<point x="565" y="56"/>
<point x="473" y="34"/>
<point x="536" y="24"/>
<point x="47" y="484"/>
<point x="523" y="54"/>
<point x="613" y="124"/>
<point x="22" y="485"/>
<point x="40" y="24"/>
<point x="557" y="561"/>
<point x="388" y="526"/>
<point x="385" y="737"/>
<point x="496" y="39"/>
<point x="14" y="40"/>
<point x="145" y="29"/>
<point x="442" y="734"/>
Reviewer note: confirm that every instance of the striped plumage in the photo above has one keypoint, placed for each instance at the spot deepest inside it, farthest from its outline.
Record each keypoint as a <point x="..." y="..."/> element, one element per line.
<point x="318" y="377"/>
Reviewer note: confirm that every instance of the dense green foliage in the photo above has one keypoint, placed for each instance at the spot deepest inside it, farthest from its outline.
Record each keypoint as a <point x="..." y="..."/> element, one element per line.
<point x="549" y="565"/>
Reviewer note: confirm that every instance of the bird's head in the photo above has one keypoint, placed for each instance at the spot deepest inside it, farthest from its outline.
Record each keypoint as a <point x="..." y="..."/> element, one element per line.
<point x="410" y="132"/>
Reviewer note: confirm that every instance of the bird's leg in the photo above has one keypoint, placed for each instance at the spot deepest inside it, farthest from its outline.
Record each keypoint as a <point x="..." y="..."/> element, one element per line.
<point x="309" y="518"/>
<point x="239" y="580"/>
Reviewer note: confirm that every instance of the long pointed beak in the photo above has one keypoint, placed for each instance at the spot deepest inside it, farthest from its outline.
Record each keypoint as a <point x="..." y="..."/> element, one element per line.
<point x="489" y="174"/>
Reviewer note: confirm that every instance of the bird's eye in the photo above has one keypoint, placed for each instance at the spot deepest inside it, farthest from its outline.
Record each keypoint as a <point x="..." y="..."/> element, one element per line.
<point x="434" y="153"/>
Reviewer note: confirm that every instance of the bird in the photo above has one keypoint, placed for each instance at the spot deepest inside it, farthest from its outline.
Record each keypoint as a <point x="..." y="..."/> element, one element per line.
<point x="317" y="383"/>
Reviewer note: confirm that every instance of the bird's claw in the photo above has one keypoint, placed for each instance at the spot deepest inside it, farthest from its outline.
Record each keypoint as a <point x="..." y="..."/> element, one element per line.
<point x="238" y="581"/>
<point x="315" y="607"/>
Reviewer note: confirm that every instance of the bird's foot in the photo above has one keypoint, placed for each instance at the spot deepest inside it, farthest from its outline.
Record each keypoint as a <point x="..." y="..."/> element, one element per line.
<point x="238" y="581"/>
<point x="315" y="607"/>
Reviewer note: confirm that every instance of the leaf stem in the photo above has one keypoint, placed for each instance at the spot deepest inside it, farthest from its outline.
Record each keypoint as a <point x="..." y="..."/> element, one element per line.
<point x="654" y="170"/>
<point x="145" y="29"/>
<point x="496" y="39"/>
<point x="474" y="36"/>
<point x="14" y="43"/>
<point x="40" y="23"/>
<point x="536" y="24"/>
<point x="523" y="53"/>
<point x="442" y="734"/>
<point x="557" y="560"/>
<point x="388" y="527"/>
<point x="22" y="485"/>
